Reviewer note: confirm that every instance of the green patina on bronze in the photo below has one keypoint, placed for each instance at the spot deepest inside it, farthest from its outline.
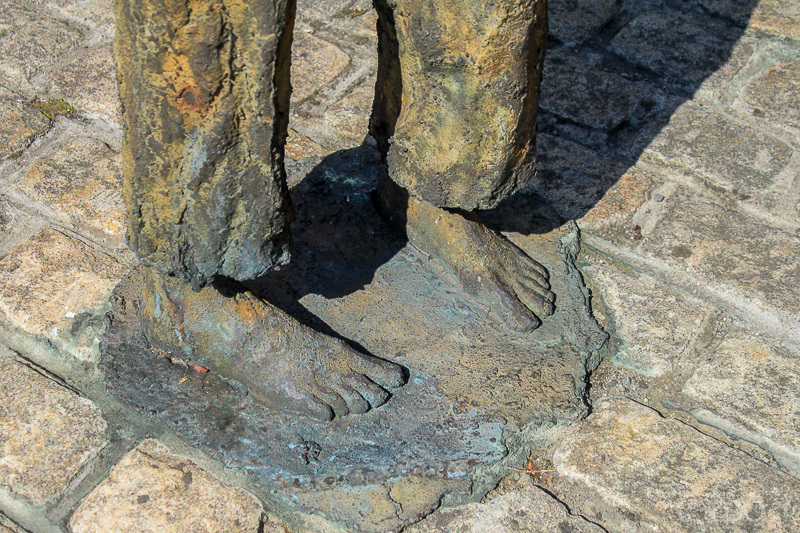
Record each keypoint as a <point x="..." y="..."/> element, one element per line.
<point x="457" y="94"/>
<point x="205" y="92"/>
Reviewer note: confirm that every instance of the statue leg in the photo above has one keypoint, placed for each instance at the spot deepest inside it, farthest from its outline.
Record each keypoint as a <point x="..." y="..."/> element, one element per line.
<point x="205" y="92"/>
<point x="455" y="117"/>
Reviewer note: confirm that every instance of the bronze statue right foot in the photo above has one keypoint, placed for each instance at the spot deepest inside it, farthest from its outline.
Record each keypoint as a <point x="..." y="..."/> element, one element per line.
<point x="489" y="266"/>
<point x="282" y="362"/>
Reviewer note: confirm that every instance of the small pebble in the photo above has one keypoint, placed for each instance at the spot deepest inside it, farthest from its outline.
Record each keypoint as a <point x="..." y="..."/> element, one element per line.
<point x="658" y="197"/>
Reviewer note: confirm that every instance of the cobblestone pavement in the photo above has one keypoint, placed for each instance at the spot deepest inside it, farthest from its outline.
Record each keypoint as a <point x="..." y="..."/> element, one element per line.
<point x="670" y="132"/>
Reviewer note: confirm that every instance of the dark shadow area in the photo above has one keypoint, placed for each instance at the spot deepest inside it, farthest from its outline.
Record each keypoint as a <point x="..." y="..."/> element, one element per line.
<point x="615" y="73"/>
<point x="339" y="238"/>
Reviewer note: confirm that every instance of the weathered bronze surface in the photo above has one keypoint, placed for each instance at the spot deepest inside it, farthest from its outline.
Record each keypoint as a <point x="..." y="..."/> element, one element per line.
<point x="478" y="396"/>
<point x="488" y="265"/>
<point x="205" y="94"/>
<point x="282" y="362"/>
<point x="205" y="88"/>
<point x="457" y="96"/>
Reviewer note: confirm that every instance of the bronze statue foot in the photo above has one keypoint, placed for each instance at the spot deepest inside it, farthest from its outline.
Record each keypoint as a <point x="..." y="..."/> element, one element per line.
<point x="489" y="266"/>
<point x="282" y="362"/>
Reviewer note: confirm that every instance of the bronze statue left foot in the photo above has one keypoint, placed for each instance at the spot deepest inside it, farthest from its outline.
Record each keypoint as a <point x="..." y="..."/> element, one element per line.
<point x="488" y="265"/>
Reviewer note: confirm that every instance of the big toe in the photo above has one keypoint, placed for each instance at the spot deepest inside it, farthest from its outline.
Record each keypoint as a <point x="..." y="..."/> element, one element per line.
<point x="380" y="371"/>
<point x="515" y="313"/>
<point x="373" y="394"/>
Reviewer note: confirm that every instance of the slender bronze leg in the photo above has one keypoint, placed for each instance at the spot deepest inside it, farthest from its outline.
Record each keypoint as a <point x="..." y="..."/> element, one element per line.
<point x="455" y="117"/>
<point x="205" y="89"/>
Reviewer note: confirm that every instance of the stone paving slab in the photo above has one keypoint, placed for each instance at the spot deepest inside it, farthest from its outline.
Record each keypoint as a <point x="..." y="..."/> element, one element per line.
<point x="15" y="225"/>
<point x="96" y="15"/>
<point x="573" y="22"/>
<point x="78" y="178"/>
<point x="580" y="184"/>
<point x="19" y="124"/>
<point x="655" y="326"/>
<point x="316" y="63"/>
<point x="7" y="526"/>
<point x="736" y="391"/>
<point x="779" y="17"/>
<point x="151" y="489"/>
<point x="725" y="249"/>
<point x="700" y="240"/>
<point x="628" y="469"/>
<point x="527" y="510"/>
<point x="585" y="93"/>
<point x="675" y="45"/>
<point x="54" y="284"/>
<point x="747" y="163"/>
<point x="87" y="81"/>
<point x="38" y="40"/>
<point x="48" y="434"/>
<point x="775" y="96"/>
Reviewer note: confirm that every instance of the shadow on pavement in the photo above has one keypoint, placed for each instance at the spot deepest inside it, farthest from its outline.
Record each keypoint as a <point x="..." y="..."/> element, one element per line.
<point x="615" y="73"/>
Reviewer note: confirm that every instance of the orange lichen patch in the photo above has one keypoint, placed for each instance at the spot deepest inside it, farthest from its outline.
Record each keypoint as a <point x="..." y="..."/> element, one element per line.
<point x="193" y="99"/>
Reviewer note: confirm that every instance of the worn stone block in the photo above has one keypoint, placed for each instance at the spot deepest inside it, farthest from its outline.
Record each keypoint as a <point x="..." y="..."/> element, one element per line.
<point x="674" y="44"/>
<point x="722" y="87"/>
<point x="312" y="10"/>
<point x="753" y="384"/>
<point x="614" y="215"/>
<point x="574" y="21"/>
<point x="655" y="326"/>
<point x="343" y="125"/>
<point x="152" y="490"/>
<point x="52" y="284"/>
<point x="300" y="147"/>
<point x="360" y="24"/>
<point x="19" y="123"/>
<point x="15" y="226"/>
<point x="745" y="160"/>
<point x="315" y="63"/>
<point x="88" y="82"/>
<point x="31" y="40"/>
<point x="582" y="185"/>
<point x="727" y="251"/>
<point x="575" y="89"/>
<point x="48" y="434"/>
<point x="7" y="526"/>
<point x="95" y="14"/>
<point x="778" y="17"/>
<point x="775" y="95"/>
<point x="630" y="470"/>
<point x="739" y="11"/>
<point x="526" y="510"/>
<point x="81" y="178"/>
<point x="349" y="117"/>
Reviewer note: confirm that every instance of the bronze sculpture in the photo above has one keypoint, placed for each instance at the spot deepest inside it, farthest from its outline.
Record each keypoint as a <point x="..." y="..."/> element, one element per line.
<point x="205" y="90"/>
